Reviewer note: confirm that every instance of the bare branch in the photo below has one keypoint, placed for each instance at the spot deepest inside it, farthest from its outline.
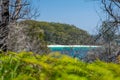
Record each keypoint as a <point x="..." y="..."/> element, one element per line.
<point x="112" y="7"/>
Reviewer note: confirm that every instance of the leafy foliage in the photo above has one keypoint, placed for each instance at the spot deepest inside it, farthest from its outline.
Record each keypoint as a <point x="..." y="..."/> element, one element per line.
<point x="56" y="33"/>
<point x="29" y="66"/>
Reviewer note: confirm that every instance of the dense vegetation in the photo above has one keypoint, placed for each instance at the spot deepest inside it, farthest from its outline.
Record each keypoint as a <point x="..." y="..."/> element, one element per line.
<point x="57" y="33"/>
<point x="29" y="66"/>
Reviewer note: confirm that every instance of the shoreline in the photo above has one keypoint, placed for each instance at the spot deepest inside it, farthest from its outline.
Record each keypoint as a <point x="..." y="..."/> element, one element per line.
<point x="72" y="46"/>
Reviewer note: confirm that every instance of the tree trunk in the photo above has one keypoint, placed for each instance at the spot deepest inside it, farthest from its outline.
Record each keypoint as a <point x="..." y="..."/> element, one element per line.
<point x="4" y="25"/>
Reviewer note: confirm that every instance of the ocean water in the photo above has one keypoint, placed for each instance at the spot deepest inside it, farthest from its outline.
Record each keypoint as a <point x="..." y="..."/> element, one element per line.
<point x="79" y="51"/>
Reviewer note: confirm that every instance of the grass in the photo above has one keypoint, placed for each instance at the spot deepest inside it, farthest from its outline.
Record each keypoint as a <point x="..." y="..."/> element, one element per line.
<point x="54" y="66"/>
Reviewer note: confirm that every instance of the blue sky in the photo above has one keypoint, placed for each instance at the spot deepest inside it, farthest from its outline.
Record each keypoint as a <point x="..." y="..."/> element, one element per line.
<point x="81" y="13"/>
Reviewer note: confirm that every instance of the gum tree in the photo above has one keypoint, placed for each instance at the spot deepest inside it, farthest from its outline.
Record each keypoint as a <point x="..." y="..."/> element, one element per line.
<point x="12" y="11"/>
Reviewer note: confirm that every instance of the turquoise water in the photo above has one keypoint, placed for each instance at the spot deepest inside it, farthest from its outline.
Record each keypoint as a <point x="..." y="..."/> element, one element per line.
<point x="79" y="52"/>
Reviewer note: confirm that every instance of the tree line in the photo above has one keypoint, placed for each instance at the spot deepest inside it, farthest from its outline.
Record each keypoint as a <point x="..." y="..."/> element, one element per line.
<point x="58" y="33"/>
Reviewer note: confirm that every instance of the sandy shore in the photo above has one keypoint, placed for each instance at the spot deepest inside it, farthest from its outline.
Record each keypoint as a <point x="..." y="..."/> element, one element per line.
<point x="72" y="46"/>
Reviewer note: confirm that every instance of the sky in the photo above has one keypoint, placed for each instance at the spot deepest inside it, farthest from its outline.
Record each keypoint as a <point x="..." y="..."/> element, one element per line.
<point x="81" y="13"/>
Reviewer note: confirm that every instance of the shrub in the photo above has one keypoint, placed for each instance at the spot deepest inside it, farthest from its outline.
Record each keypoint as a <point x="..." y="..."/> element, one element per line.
<point x="29" y="66"/>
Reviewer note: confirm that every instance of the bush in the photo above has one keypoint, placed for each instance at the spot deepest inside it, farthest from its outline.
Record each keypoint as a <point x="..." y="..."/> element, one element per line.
<point x="29" y="66"/>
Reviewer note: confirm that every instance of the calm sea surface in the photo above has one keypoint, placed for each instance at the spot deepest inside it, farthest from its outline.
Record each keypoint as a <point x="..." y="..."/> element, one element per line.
<point x="74" y="51"/>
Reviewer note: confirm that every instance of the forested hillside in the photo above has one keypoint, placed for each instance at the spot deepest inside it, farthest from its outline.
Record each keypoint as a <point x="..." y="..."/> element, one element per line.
<point x="57" y="33"/>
